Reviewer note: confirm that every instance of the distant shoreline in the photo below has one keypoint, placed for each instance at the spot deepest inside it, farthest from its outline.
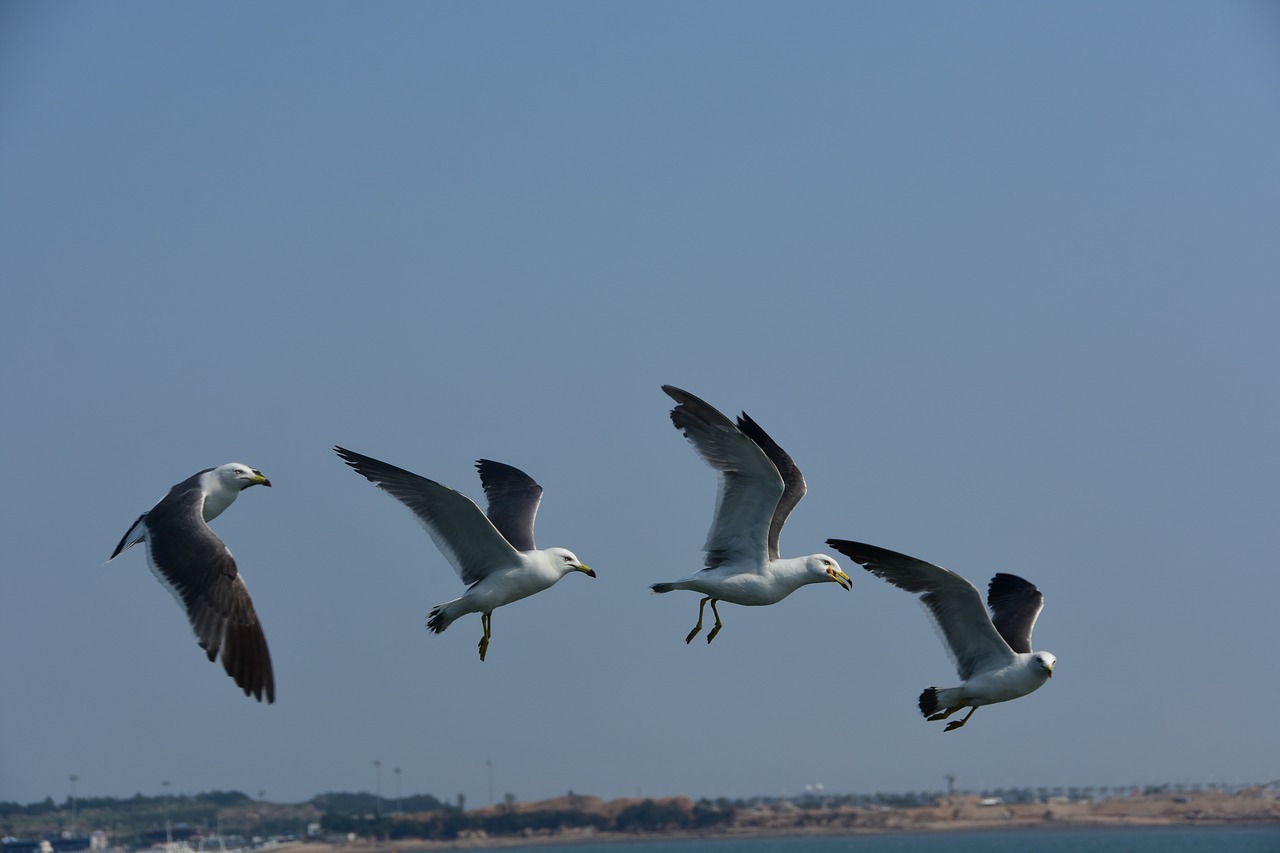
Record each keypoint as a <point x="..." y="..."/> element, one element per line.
<point x="511" y="842"/>
<point x="578" y="819"/>
<point x="960" y="826"/>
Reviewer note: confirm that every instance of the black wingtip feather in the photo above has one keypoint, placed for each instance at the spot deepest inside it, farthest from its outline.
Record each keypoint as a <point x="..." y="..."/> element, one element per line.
<point x="861" y="553"/>
<point x="120" y="544"/>
<point x="1004" y="583"/>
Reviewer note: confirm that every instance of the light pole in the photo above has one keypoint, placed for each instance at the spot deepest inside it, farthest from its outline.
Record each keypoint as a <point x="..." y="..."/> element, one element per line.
<point x="489" y="764"/>
<point x="377" y="803"/>
<point x="73" y="778"/>
<point x="399" y="809"/>
<point x="168" y="830"/>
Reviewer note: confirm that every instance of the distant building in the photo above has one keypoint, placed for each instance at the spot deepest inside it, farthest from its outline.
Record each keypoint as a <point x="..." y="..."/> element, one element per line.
<point x="20" y="845"/>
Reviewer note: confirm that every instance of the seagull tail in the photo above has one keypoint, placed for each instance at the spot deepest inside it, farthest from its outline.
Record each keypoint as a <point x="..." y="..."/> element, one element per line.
<point x="929" y="701"/>
<point x="663" y="587"/>
<point x="135" y="534"/>
<point x="935" y="700"/>
<point x="441" y="617"/>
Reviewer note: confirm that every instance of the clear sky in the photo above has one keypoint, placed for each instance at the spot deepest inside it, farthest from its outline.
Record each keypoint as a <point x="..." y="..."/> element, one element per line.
<point x="1002" y="278"/>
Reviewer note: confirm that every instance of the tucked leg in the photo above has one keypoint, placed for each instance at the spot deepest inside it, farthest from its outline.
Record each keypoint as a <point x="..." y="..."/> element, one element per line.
<point x="696" y="628"/>
<point x="942" y="715"/>
<point x="955" y="724"/>
<point x="716" y="629"/>
<point x="486" y="621"/>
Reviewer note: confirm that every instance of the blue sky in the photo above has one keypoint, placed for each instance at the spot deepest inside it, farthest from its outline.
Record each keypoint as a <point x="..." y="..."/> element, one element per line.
<point x="1000" y="276"/>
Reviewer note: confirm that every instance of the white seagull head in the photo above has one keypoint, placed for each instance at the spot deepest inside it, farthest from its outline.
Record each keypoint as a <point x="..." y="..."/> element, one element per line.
<point x="240" y="477"/>
<point x="1045" y="662"/>
<point x="826" y="569"/>
<point x="568" y="561"/>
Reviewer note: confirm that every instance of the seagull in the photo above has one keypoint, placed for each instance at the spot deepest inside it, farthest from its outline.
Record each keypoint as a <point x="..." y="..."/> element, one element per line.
<point x="493" y="553"/>
<point x="199" y="571"/>
<point x="992" y="654"/>
<point x="759" y="485"/>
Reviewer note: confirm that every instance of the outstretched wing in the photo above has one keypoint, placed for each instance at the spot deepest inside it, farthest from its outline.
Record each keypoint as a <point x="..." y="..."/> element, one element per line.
<point x="1015" y="603"/>
<point x="513" y="498"/>
<point x="793" y="481"/>
<point x="466" y="537"/>
<point x="198" y="569"/>
<point x="952" y="602"/>
<point x="749" y="484"/>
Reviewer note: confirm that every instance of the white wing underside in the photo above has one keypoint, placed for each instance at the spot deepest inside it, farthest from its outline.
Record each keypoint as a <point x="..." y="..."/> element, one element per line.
<point x="467" y="539"/>
<point x="464" y="534"/>
<point x="748" y="484"/>
<point x="953" y="605"/>
<point x="747" y="495"/>
<point x="956" y="611"/>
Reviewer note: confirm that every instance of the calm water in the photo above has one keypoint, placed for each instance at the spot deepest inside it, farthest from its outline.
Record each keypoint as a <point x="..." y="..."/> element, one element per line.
<point x="1182" y="840"/>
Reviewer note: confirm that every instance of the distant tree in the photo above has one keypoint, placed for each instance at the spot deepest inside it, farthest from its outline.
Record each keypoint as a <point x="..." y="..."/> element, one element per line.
<point x="649" y="816"/>
<point x="422" y="803"/>
<point x="333" y="822"/>
<point x="707" y="814"/>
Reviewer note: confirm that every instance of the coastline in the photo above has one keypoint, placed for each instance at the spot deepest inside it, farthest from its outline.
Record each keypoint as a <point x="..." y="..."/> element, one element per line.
<point x="1256" y="808"/>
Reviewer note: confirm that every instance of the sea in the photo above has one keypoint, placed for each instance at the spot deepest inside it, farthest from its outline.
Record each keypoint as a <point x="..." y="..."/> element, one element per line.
<point x="1192" y="839"/>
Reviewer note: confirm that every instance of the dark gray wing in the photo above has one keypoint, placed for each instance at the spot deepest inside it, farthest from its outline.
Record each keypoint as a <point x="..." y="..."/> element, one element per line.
<point x="951" y="601"/>
<point x="466" y="537"/>
<point x="196" y="567"/>
<point x="749" y="483"/>
<point x="1015" y="603"/>
<point x="793" y="480"/>
<point x="513" y="498"/>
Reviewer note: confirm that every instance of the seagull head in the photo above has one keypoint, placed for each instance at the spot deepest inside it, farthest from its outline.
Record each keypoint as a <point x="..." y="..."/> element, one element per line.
<point x="569" y="562"/>
<point x="1043" y="661"/>
<point x="829" y="569"/>
<point x="241" y="476"/>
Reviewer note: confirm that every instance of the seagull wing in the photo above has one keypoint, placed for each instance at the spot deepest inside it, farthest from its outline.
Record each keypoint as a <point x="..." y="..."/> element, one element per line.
<point x="749" y="484"/>
<point x="513" y="501"/>
<point x="468" y="540"/>
<point x="198" y="569"/>
<point x="952" y="603"/>
<point x="1015" y="603"/>
<point x="794" y="485"/>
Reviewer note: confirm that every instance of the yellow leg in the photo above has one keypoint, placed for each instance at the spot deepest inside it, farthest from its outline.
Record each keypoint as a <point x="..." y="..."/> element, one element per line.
<point x="716" y="629"/>
<point x="486" y="621"/>
<point x="952" y="726"/>
<point x="942" y="715"/>
<point x="696" y="628"/>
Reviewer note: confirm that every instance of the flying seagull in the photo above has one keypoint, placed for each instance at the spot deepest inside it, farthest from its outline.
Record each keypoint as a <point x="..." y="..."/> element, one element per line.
<point x="196" y="567"/>
<point x="992" y="654"/>
<point x="494" y="554"/>
<point x="759" y="485"/>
